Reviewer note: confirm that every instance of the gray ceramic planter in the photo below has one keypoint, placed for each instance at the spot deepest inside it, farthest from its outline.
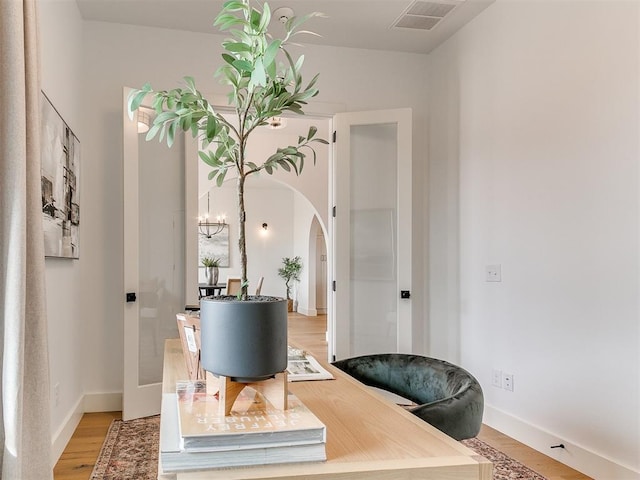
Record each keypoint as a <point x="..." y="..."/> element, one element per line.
<point x="246" y="341"/>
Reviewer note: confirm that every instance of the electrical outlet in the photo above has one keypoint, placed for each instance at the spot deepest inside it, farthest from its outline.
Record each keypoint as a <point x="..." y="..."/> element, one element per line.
<point x="496" y="378"/>
<point x="507" y="381"/>
<point x="493" y="273"/>
<point x="56" y="394"/>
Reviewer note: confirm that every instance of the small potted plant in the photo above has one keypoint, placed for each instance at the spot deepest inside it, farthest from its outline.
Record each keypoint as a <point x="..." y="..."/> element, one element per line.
<point x="211" y="271"/>
<point x="248" y="338"/>
<point x="290" y="272"/>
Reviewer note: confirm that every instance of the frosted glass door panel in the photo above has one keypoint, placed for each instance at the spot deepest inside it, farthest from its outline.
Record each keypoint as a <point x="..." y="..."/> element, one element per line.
<point x="371" y="236"/>
<point x="161" y="252"/>
<point x="373" y="213"/>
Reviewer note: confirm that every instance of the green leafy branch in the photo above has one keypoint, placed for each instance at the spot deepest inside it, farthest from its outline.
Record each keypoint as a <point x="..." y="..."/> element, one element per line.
<point x="265" y="81"/>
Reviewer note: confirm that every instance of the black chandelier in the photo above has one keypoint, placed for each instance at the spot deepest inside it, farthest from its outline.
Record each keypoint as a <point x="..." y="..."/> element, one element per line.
<point x="209" y="229"/>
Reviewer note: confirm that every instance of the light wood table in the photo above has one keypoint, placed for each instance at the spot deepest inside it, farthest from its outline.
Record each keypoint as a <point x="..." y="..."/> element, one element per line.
<point x="367" y="437"/>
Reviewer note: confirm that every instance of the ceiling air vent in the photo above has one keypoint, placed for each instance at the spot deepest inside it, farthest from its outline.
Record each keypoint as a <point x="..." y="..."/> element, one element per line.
<point x="423" y="15"/>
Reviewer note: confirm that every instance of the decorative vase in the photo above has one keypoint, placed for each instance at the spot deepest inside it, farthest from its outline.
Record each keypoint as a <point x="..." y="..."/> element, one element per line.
<point x="289" y="305"/>
<point x="211" y="275"/>
<point x="243" y="340"/>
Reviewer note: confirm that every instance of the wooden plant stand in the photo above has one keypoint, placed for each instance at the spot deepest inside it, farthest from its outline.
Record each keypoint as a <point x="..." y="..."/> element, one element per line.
<point x="273" y="389"/>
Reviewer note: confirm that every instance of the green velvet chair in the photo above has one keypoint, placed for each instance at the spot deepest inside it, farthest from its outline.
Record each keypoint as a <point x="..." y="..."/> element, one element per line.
<point x="446" y="396"/>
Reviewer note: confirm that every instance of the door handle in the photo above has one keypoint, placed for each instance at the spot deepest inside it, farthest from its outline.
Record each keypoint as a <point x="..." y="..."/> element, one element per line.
<point x="131" y="297"/>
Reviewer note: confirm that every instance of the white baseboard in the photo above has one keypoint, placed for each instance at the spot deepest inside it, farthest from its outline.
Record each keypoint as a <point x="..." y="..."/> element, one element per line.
<point x="94" y="402"/>
<point x="311" y="312"/>
<point x="573" y="455"/>
<point x="103" y="402"/>
<point x="60" y="438"/>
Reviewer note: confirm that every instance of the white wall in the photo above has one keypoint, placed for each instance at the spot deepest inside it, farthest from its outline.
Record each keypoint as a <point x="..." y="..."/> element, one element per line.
<point x="61" y="71"/>
<point x="304" y="246"/>
<point x="313" y="183"/>
<point x="534" y="142"/>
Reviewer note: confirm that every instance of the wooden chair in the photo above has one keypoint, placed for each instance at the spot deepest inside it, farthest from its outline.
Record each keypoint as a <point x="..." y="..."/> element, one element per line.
<point x="189" y="331"/>
<point x="259" y="287"/>
<point x="233" y="285"/>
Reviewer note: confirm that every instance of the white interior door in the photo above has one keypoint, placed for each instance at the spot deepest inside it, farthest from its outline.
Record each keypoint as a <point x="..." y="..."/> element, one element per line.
<point x="153" y="263"/>
<point x="372" y="232"/>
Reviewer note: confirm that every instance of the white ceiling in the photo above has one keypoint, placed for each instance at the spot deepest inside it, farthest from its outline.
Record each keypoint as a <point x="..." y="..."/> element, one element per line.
<point x="350" y="23"/>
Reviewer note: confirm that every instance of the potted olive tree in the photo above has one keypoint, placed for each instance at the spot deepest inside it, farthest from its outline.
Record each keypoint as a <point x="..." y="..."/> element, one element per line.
<point x="245" y="339"/>
<point x="290" y="272"/>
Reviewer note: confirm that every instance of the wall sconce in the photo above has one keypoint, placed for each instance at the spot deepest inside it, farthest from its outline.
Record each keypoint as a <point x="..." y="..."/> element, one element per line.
<point x="264" y="230"/>
<point x="276" y="123"/>
<point x="209" y="229"/>
<point x="265" y="227"/>
<point x="144" y="121"/>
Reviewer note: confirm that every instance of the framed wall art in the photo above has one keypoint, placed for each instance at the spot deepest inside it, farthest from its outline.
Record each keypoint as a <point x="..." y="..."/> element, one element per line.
<point x="214" y="246"/>
<point x="60" y="156"/>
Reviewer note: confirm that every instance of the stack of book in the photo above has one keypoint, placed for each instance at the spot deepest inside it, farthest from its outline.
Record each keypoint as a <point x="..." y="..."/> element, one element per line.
<point x="255" y="433"/>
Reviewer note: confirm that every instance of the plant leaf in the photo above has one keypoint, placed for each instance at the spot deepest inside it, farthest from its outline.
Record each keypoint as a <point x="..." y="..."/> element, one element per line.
<point x="242" y="65"/>
<point x="135" y="99"/>
<point x="236" y="47"/>
<point x="220" y="179"/>
<point x="171" y="133"/>
<point x="285" y="165"/>
<point x="266" y="17"/>
<point x="153" y="131"/>
<point x="271" y="52"/>
<point x="234" y="6"/>
<point x="258" y="76"/>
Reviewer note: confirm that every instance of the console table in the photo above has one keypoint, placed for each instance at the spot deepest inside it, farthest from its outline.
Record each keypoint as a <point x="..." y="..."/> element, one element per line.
<point x="367" y="437"/>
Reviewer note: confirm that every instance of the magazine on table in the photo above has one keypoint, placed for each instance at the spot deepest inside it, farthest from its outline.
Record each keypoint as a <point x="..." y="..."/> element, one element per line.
<point x="302" y="367"/>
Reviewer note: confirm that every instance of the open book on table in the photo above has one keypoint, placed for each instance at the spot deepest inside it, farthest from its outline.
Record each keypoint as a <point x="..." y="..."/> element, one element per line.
<point x="302" y="366"/>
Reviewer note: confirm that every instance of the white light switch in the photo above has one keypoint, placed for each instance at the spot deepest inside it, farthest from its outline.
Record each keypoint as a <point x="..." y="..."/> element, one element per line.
<point x="493" y="273"/>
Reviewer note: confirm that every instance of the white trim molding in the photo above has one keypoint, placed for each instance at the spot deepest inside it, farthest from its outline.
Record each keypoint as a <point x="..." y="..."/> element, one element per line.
<point x="61" y="437"/>
<point x="577" y="457"/>
<point x="103" y="402"/>
<point x="88" y="403"/>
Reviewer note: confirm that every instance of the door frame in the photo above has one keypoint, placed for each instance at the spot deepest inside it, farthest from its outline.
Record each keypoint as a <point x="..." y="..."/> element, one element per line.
<point x="137" y="400"/>
<point x="339" y="334"/>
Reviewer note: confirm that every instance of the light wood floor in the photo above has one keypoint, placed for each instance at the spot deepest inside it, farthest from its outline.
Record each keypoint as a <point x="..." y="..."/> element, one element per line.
<point x="78" y="459"/>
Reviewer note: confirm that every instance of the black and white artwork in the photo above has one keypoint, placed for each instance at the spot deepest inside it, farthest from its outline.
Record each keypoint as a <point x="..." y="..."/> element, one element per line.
<point x="216" y="246"/>
<point x="60" y="156"/>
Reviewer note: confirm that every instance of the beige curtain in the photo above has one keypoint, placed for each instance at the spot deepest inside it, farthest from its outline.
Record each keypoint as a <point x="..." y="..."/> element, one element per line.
<point x="24" y="359"/>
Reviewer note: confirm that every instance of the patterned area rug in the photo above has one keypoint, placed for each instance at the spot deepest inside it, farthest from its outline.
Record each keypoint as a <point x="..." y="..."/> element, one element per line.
<point x="130" y="452"/>
<point x="504" y="467"/>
